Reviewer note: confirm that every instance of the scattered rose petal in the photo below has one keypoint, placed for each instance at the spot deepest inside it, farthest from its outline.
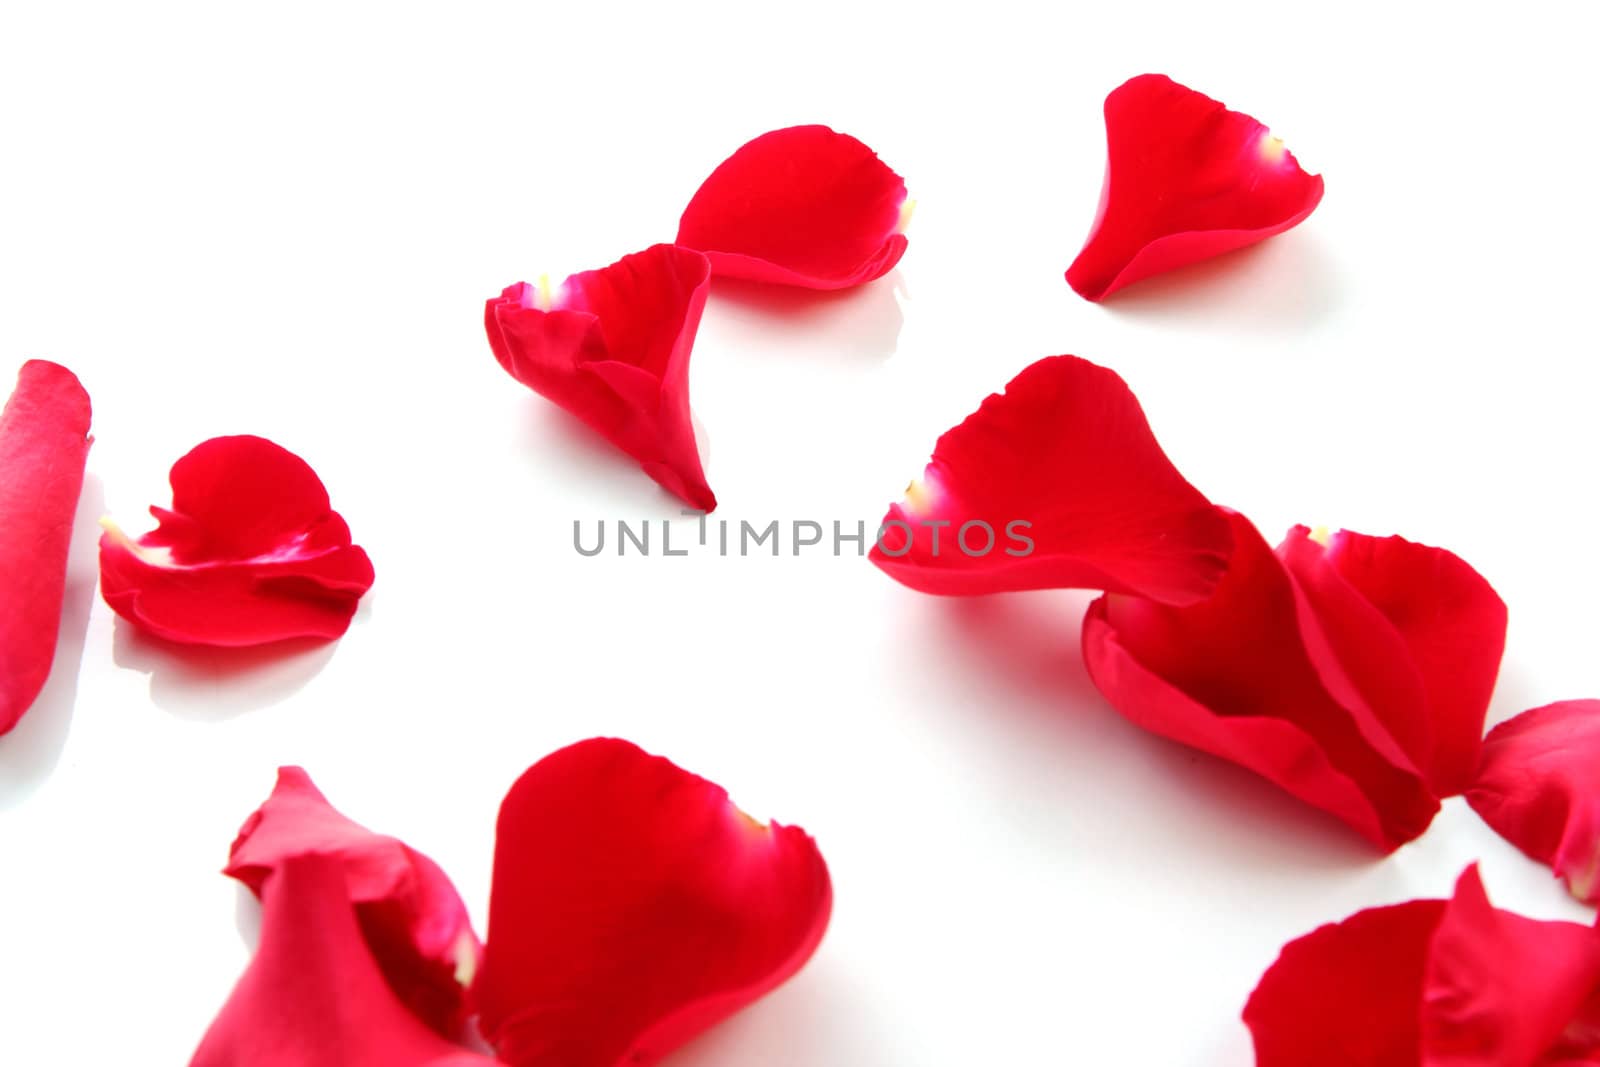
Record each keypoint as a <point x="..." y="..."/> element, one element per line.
<point x="1347" y="994"/>
<point x="415" y="924"/>
<point x="1506" y="991"/>
<point x="612" y="347"/>
<point x="1055" y="483"/>
<point x="1250" y="675"/>
<point x="1432" y="983"/>
<point x="1186" y="179"/>
<point x="634" y="906"/>
<point x="313" y="995"/>
<point x="1420" y="633"/>
<point x="1539" y="787"/>
<point x="802" y="206"/>
<point x="44" y="445"/>
<point x="249" y="553"/>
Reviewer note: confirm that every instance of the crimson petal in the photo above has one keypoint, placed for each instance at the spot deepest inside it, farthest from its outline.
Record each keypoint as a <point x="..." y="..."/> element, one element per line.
<point x="1347" y="994"/>
<point x="1506" y="991"/>
<point x="802" y="206"/>
<point x="313" y="995"/>
<point x="1055" y="483"/>
<point x="612" y="347"/>
<point x="250" y="552"/>
<point x="633" y="906"/>
<point x="1250" y="675"/>
<point x="414" y="922"/>
<point x="44" y="445"/>
<point x="1539" y="787"/>
<point x="1186" y="179"/>
<point x="1421" y="634"/>
<point x="1432" y="983"/>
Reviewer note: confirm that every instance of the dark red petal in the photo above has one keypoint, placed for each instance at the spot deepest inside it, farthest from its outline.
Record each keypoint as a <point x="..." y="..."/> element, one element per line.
<point x="612" y="347"/>
<point x="1347" y="994"/>
<point x="44" y="445"/>
<point x="1539" y="787"/>
<point x="1453" y="624"/>
<point x="312" y="996"/>
<point x="1186" y="179"/>
<point x="415" y="924"/>
<point x="633" y="907"/>
<point x="801" y="206"/>
<point x="1505" y="991"/>
<point x="1063" y="471"/>
<point x="1249" y="676"/>
<point x="249" y="553"/>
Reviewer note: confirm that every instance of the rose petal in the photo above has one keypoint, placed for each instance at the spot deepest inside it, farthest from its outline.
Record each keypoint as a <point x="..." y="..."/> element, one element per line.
<point x="1432" y="983"/>
<point x="414" y="922"/>
<point x="1347" y="994"/>
<point x="313" y="996"/>
<point x="633" y="907"/>
<point x="1505" y="991"/>
<point x="1248" y="675"/>
<point x="1062" y="479"/>
<point x="802" y="206"/>
<point x="1453" y="624"/>
<point x="248" y="554"/>
<point x="44" y="445"/>
<point x="1539" y="787"/>
<point x="1420" y="633"/>
<point x="612" y="347"/>
<point x="1186" y="179"/>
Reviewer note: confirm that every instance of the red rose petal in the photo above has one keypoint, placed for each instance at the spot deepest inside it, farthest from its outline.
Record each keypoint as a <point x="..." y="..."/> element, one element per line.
<point x="1505" y="991"/>
<point x="1347" y="994"/>
<point x="612" y="347"/>
<point x="802" y="206"/>
<point x="1067" y="452"/>
<point x="44" y="445"/>
<point x="313" y="996"/>
<point x="249" y="553"/>
<point x="1420" y="632"/>
<point x="1453" y="624"/>
<point x="414" y="922"/>
<point x="633" y="907"/>
<point x="1248" y="675"/>
<point x="1539" y="787"/>
<point x="1186" y="179"/>
<point x="1432" y="983"/>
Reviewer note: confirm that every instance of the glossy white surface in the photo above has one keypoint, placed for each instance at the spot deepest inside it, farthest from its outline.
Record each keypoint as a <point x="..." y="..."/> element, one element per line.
<point x="283" y="220"/>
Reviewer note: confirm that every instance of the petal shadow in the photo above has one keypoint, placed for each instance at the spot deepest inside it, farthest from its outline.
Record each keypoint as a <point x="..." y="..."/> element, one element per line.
<point x="854" y="325"/>
<point x="215" y="684"/>
<point x="1028" y="645"/>
<point x="1283" y="285"/>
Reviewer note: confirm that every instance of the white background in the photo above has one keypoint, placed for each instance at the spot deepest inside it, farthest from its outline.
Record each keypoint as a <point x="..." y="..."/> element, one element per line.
<point x="284" y="219"/>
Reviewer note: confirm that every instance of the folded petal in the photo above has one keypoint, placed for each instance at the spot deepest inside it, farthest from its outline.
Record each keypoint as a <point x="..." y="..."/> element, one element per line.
<point x="1502" y="990"/>
<point x="1421" y="634"/>
<point x="249" y="553"/>
<point x="633" y="906"/>
<point x="1249" y="675"/>
<point x="313" y="996"/>
<point x="1454" y="626"/>
<point x="612" y="347"/>
<point x="802" y="206"/>
<point x="1539" y="787"/>
<point x="1186" y="179"/>
<point x="1055" y="483"/>
<point x="1432" y="983"/>
<point x="44" y="445"/>
<point x="413" y="920"/>
<point x="1347" y="994"/>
